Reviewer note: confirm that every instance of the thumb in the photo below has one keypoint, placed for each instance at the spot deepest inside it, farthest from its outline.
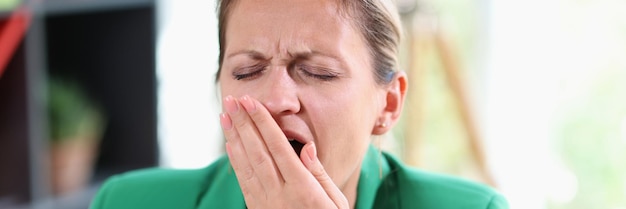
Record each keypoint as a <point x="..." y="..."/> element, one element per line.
<point x="312" y="163"/>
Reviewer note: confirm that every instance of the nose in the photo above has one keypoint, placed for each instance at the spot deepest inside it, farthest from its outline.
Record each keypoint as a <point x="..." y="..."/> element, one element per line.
<point x="280" y="95"/>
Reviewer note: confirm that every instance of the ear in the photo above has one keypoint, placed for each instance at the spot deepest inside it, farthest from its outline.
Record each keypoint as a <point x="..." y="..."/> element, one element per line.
<point x="395" y="95"/>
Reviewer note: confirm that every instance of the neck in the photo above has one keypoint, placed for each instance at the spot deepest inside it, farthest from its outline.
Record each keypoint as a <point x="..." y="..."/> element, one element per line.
<point x="350" y="187"/>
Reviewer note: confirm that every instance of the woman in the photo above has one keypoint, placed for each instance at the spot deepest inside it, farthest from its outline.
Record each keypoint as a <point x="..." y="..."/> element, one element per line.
<point x="317" y="77"/>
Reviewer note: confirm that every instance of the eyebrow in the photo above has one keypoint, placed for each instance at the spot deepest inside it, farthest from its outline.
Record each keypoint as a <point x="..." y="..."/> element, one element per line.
<point x="256" y="55"/>
<point x="251" y="53"/>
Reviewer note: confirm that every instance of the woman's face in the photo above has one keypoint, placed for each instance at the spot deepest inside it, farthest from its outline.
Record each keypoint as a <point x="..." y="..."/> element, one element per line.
<point x="312" y="71"/>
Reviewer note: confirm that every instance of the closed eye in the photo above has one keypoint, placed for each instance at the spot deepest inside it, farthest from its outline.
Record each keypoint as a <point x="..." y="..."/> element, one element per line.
<point x="248" y="73"/>
<point x="317" y="73"/>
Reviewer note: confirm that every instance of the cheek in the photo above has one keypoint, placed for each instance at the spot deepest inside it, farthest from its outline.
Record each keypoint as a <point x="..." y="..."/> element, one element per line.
<point x="343" y="121"/>
<point x="225" y="86"/>
<point x="230" y="87"/>
<point x="343" y="133"/>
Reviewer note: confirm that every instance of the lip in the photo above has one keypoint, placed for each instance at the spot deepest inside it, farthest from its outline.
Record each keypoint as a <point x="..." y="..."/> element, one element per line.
<point x="295" y="135"/>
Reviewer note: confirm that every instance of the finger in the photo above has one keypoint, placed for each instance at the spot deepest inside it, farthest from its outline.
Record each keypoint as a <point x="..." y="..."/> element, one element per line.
<point x="275" y="140"/>
<point x="256" y="153"/>
<point x="312" y="163"/>
<point x="250" y="185"/>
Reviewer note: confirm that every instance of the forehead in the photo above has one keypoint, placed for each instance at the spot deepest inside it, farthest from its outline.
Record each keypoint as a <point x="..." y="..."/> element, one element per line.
<point x="282" y="24"/>
<point x="289" y="8"/>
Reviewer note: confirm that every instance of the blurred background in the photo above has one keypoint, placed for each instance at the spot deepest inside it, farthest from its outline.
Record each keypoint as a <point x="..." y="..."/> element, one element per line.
<point x="527" y="96"/>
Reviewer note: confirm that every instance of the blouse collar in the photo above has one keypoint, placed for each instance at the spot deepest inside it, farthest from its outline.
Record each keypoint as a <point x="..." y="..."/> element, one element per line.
<point x="224" y="191"/>
<point x="374" y="170"/>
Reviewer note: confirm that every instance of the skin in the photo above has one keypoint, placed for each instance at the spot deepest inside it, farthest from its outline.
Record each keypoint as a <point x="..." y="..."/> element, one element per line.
<point x="296" y="69"/>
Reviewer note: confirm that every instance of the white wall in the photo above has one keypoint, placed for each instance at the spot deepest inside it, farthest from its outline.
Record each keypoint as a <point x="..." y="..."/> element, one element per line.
<point x="540" y="53"/>
<point x="187" y="54"/>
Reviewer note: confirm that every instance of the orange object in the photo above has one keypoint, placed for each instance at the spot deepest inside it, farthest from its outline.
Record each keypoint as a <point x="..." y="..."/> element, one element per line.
<point x="12" y="31"/>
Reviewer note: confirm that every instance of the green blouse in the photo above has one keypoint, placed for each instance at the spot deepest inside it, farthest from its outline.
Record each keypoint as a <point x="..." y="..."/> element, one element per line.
<point x="384" y="183"/>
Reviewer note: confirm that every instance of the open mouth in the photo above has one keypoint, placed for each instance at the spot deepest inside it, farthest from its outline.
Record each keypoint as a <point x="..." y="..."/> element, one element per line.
<point x="297" y="146"/>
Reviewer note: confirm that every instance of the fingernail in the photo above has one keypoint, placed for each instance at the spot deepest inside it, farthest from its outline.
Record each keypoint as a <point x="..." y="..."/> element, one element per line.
<point x="230" y="104"/>
<point x="312" y="152"/>
<point x="227" y="124"/>
<point x="248" y="104"/>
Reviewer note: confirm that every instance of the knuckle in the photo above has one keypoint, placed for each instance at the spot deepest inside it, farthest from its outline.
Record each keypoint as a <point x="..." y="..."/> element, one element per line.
<point x="240" y="123"/>
<point x="231" y="134"/>
<point x="259" y="160"/>
<point x="273" y="145"/>
<point x="323" y="178"/>
<point x="319" y="173"/>
<point x="259" y="117"/>
<point x="247" y="174"/>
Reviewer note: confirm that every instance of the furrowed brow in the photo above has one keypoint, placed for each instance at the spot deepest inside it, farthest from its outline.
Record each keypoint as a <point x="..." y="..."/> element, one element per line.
<point x="252" y="54"/>
<point x="309" y="54"/>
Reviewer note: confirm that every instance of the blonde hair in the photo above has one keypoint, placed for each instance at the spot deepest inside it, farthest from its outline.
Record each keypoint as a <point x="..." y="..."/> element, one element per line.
<point x="377" y="20"/>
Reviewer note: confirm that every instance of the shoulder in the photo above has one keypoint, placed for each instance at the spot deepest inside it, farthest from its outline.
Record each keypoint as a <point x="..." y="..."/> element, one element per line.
<point x="156" y="188"/>
<point x="432" y="190"/>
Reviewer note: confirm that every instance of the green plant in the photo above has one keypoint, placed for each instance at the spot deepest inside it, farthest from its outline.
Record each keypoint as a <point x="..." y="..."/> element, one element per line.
<point x="71" y="112"/>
